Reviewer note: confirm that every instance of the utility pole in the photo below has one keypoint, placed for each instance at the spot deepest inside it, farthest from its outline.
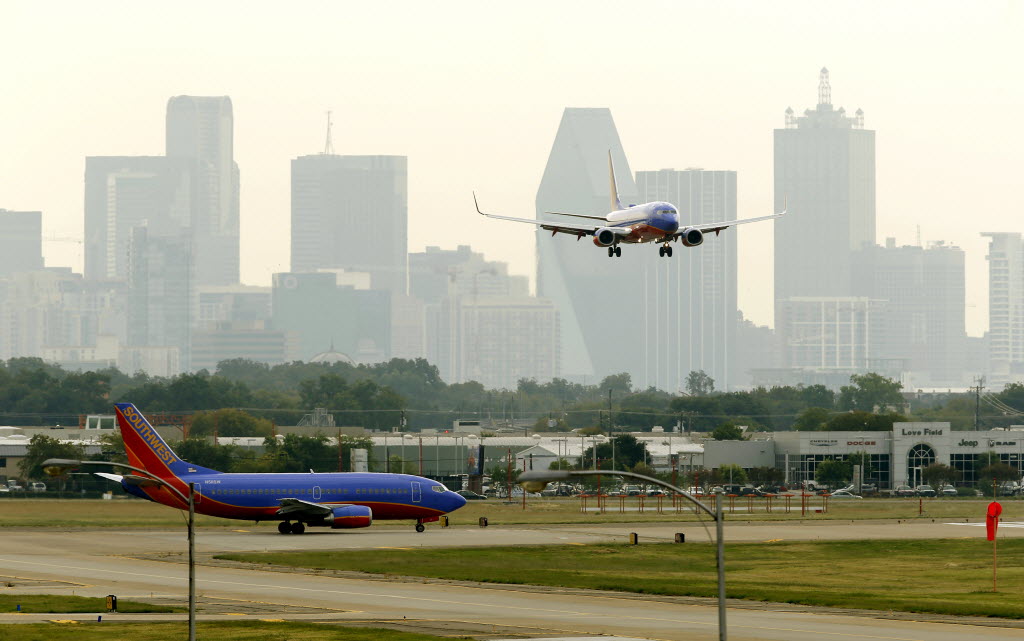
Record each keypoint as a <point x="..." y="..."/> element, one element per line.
<point x="977" y="400"/>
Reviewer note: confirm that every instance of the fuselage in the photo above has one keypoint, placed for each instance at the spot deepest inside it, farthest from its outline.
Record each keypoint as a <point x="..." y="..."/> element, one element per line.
<point x="649" y="222"/>
<point x="257" y="497"/>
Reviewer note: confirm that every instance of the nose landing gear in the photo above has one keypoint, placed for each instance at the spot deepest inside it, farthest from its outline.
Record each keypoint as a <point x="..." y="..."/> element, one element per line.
<point x="614" y="251"/>
<point x="665" y="250"/>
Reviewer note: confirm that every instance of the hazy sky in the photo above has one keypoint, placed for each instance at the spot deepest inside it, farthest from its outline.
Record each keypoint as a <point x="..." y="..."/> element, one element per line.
<point x="472" y="93"/>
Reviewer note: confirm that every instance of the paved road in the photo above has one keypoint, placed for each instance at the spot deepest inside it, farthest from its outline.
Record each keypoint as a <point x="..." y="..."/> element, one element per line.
<point x="96" y="563"/>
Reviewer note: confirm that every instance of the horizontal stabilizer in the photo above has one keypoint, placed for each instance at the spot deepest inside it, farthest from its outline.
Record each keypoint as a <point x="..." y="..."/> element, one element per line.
<point x="116" y="478"/>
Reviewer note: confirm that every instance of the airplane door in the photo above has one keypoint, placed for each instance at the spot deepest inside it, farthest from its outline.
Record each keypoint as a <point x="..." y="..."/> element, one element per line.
<point x="316" y="492"/>
<point x="416" y="492"/>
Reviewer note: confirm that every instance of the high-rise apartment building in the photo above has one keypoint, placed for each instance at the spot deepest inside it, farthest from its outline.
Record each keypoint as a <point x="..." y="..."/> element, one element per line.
<point x="21" y="241"/>
<point x="825" y="174"/>
<point x="1005" y="307"/>
<point x="599" y="299"/>
<point x="351" y="212"/>
<point x="124" y="192"/>
<point x="690" y="309"/>
<point x="201" y="128"/>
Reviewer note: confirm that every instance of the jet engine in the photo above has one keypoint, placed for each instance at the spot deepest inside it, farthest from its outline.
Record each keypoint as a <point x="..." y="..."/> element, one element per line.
<point x="604" y="237"/>
<point x="346" y="517"/>
<point x="691" y="236"/>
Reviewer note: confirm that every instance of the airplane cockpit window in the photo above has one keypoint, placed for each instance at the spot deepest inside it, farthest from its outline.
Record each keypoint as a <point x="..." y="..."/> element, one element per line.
<point x="439" y="488"/>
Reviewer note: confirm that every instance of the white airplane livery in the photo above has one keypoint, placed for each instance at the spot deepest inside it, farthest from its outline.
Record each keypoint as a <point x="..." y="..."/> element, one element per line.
<point x="655" y="222"/>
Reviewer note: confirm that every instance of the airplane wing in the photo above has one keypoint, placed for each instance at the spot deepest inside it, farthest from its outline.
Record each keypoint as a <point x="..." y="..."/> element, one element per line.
<point x="555" y="228"/>
<point x="718" y="227"/>
<point x="299" y="508"/>
<point x="565" y="213"/>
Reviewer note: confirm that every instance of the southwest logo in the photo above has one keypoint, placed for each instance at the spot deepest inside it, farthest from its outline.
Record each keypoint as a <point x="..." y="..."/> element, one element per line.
<point x="149" y="435"/>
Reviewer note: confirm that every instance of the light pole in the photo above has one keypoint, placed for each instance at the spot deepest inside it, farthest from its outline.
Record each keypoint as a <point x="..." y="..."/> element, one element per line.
<point x="57" y="466"/>
<point x="535" y="482"/>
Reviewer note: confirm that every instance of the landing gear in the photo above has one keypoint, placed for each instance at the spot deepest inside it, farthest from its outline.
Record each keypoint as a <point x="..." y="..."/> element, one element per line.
<point x="298" y="528"/>
<point x="420" y="527"/>
<point x="665" y="250"/>
<point x="284" y="527"/>
<point x="614" y="251"/>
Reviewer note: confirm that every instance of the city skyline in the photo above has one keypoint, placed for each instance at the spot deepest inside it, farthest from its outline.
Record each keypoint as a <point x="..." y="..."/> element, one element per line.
<point x="474" y="109"/>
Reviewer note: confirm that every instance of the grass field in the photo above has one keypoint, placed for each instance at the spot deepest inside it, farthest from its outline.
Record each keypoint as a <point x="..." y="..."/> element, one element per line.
<point x="38" y="603"/>
<point x="136" y="513"/>
<point x="230" y="631"/>
<point x="951" y="576"/>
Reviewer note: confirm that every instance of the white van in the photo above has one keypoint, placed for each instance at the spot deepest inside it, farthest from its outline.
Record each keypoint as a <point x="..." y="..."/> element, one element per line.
<point x="36" y="486"/>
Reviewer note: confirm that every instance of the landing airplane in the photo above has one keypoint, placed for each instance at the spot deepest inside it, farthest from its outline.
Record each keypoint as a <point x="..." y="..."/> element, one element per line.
<point x="656" y="222"/>
<point x="336" y="500"/>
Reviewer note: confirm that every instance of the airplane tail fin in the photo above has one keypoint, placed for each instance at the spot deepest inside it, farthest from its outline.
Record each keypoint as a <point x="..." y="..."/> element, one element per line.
<point x="613" y="188"/>
<point x="146" y="449"/>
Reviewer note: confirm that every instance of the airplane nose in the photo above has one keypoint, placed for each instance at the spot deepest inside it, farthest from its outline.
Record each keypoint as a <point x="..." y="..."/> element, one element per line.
<point x="455" y="501"/>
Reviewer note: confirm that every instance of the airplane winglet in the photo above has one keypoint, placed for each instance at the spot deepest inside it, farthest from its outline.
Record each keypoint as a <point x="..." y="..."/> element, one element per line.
<point x="477" y="205"/>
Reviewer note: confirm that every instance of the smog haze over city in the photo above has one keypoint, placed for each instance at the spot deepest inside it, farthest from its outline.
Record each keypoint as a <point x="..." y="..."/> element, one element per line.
<point x="473" y="95"/>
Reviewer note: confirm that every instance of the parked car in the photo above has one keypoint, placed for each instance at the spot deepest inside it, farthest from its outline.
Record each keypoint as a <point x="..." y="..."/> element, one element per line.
<point x="868" y="488"/>
<point x="845" y="494"/>
<point x="903" y="490"/>
<point x="947" y="490"/>
<point x="36" y="486"/>
<point x="748" y="491"/>
<point x="655" y="492"/>
<point x="632" y="490"/>
<point x="14" y="487"/>
<point x="1009" y="488"/>
<point x="924" y="490"/>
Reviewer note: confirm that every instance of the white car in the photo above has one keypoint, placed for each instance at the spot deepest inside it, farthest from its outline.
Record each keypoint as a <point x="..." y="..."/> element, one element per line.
<point x="845" y="494"/>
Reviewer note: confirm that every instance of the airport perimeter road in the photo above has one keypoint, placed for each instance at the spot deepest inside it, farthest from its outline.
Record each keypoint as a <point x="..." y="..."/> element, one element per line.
<point x="96" y="563"/>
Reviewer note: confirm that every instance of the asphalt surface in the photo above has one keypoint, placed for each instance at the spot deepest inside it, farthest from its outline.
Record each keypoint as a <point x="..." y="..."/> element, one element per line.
<point x="148" y="566"/>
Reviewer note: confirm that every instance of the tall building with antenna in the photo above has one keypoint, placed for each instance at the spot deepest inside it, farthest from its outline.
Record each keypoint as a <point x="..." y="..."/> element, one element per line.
<point x="825" y="175"/>
<point x="351" y="213"/>
<point x="825" y="168"/>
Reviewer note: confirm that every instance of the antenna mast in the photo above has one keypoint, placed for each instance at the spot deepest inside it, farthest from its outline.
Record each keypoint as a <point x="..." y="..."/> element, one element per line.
<point x="329" y="145"/>
<point x="824" y="88"/>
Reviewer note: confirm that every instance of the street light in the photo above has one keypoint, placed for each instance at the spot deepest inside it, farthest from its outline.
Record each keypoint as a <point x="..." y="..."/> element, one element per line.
<point x="57" y="466"/>
<point x="535" y="482"/>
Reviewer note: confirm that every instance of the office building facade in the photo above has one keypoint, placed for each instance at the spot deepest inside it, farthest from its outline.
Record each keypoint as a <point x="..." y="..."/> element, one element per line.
<point x="825" y="175"/>
<point x="690" y="299"/>
<point x="201" y="129"/>
<point x="1005" y="307"/>
<point x="351" y="212"/>
<point x="21" y="241"/>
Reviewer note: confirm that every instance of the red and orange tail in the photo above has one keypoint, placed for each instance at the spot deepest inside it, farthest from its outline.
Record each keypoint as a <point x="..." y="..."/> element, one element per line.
<point x="146" y="449"/>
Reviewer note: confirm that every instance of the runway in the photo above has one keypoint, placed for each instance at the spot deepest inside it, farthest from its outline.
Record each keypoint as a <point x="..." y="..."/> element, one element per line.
<point x="101" y="562"/>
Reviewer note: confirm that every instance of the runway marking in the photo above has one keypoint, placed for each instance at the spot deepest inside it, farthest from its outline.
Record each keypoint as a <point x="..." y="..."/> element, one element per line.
<point x="242" y="531"/>
<point x="387" y="547"/>
<point x="233" y="614"/>
<point x="1016" y="524"/>
<point x="63" y="621"/>
<point x="491" y="606"/>
<point x="272" y="620"/>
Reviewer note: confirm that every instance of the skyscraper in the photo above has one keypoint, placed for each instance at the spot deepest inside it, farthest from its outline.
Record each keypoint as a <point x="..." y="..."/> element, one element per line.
<point x="351" y="212"/>
<point x="922" y="330"/>
<point x="123" y="192"/>
<point x="201" y="128"/>
<point x="825" y="168"/>
<point x="599" y="300"/>
<point x="1005" y="307"/>
<point x="690" y="299"/>
<point x="21" y="241"/>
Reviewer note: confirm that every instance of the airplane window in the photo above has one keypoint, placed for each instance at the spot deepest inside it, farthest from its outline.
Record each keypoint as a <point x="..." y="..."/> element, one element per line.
<point x="438" y="488"/>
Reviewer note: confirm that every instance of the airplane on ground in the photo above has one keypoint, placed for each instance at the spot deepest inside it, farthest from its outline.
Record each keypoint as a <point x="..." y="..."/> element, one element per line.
<point x="656" y="222"/>
<point x="340" y="500"/>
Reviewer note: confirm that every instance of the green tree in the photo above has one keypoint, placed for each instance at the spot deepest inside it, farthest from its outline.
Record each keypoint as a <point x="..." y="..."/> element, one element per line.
<point x="398" y="466"/>
<point x="561" y="464"/>
<point x="297" y="453"/>
<point x="766" y="476"/>
<point x="230" y="422"/>
<point x="833" y="473"/>
<point x="500" y="478"/>
<point x="729" y="473"/>
<point x="939" y="474"/>
<point x="202" y="452"/>
<point x="42" y="447"/>
<point x="698" y="383"/>
<point x="871" y="392"/>
<point x="727" y="432"/>
<point x="857" y="421"/>
<point x="812" y="419"/>
<point x="628" y="452"/>
<point x="996" y="474"/>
